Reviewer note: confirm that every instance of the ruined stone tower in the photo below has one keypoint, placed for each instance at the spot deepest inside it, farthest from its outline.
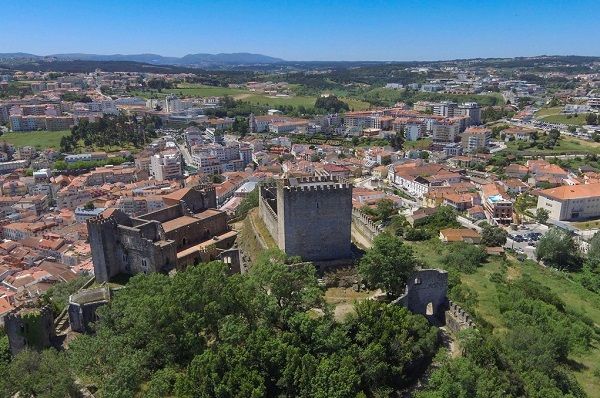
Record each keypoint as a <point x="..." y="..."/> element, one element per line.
<point x="31" y="328"/>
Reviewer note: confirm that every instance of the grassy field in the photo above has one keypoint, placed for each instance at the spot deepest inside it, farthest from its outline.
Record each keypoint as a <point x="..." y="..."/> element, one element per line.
<point x="390" y="96"/>
<point x="576" y="298"/>
<point x="38" y="139"/>
<point x="195" y="90"/>
<point x="565" y="145"/>
<point x="579" y="300"/>
<point x="554" y="115"/>
<point x="423" y="143"/>
<point x="590" y="224"/>
<point x="204" y="91"/>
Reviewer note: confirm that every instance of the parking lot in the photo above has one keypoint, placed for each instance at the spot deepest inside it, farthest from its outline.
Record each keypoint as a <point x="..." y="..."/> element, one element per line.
<point x="525" y="239"/>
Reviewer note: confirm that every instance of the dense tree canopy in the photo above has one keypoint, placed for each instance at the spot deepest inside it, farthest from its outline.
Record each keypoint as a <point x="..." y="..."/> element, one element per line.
<point x="465" y="257"/>
<point x="557" y="249"/>
<point x="111" y="130"/>
<point x="202" y="333"/>
<point x="493" y="236"/>
<point x="388" y="264"/>
<point x="331" y="104"/>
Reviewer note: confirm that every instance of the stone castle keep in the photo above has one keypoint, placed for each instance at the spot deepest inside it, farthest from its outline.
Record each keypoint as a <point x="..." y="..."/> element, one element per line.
<point x="309" y="217"/>
<point x="189" y="230"/>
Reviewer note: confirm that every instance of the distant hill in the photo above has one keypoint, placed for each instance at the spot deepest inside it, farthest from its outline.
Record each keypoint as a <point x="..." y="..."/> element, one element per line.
<point x="190" y="60"/>
<point x="79" y="66"/>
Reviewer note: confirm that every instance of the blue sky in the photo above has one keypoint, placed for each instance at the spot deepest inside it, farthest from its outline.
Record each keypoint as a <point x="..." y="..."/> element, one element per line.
<point x="305" y="30"/>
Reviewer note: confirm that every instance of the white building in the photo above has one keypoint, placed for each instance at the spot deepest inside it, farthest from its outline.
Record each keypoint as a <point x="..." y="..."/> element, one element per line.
<point x="571" y="202"/>
<point x="166" y="166"/>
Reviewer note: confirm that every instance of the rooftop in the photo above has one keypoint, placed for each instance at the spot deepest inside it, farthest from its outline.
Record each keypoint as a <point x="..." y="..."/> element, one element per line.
<point x="567" y="192"/>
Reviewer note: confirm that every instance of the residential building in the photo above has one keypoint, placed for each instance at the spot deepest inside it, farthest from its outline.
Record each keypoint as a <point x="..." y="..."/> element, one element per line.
<point x="166" y="165"/>
<point x="576" y="202"/>
<point x="497" y="204"/>
<point x="476" y="138"/>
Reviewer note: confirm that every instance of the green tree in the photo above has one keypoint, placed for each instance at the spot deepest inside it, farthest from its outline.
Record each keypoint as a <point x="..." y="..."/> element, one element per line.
<point x="44" y="375"/>
<point x="465" y="257"/>
<point x="541" y="215"/>
<point x="593" y="252"/>
<point x="386" y="354"/>
<point x="493" y="236"/>
<point x="385" y="209"/>
<point x="249" y="202"/>
<point x="591" y="119"/>
<point x="557" y="249"/>
<point x="388" y="264"/>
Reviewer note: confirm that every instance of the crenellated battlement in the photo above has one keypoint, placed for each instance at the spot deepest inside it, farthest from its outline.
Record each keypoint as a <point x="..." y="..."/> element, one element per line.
<point x="457" y="318"/>
<point x="100" y="220"/>
<point x="319" y="187"/>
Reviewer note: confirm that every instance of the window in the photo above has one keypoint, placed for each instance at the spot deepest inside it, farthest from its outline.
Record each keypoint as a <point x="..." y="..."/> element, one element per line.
<point x="417" y="281"/>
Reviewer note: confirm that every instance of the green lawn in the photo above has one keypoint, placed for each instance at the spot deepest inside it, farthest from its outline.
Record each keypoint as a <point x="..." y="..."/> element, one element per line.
<point x="295" y="101"/>
<point x="590" y="224"/>
<point x="549" y="111"/>
<point x="578" y="120"/>
<point x="390" y="96"/>
<point x="423" y="143"/>
<point x="554" y="115"/>
<point x="38" y="139"/>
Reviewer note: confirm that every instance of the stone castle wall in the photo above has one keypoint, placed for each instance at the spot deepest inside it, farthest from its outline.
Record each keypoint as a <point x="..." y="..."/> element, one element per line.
<point x="314" y="221"/>
<point x="165" y="214"/>
<point x="365" y="225"/>
<point x="265" y="210"/>
<point x="32" y="329"/>
<point x="426" y="294"/>
<point x="457" y="319"/>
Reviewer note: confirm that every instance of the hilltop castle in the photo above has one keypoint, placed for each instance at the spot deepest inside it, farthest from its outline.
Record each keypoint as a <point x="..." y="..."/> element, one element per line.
<point x="309" y="217"/>
<point x="189" y="230"/>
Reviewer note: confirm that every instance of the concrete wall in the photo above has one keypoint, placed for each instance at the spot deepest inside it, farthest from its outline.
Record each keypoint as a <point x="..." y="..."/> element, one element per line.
<point x="314" y="222"/>
<point x="571" y="209"/>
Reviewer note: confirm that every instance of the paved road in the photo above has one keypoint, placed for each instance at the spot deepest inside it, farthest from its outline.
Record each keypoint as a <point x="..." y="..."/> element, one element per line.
<point x="187" y="157"/>
<point x="468" y="224"/>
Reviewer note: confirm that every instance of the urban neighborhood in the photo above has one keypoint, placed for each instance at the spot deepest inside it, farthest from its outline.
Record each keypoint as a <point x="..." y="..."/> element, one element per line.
<point x="239" y="225"/>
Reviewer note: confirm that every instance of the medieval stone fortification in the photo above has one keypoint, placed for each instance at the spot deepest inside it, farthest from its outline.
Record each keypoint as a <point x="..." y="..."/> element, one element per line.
<point x="426" y="294"/>
<point x="181" y="234"/>
<point x="309" y="217"/>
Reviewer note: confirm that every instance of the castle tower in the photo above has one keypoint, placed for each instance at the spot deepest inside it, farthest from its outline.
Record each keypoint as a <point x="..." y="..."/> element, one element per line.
<point x="31" y="328"/>
<point x="314" y="217"/>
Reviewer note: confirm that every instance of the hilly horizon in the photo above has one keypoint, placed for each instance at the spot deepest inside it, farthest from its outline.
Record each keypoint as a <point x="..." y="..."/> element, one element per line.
<point x="199" y="59"/>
